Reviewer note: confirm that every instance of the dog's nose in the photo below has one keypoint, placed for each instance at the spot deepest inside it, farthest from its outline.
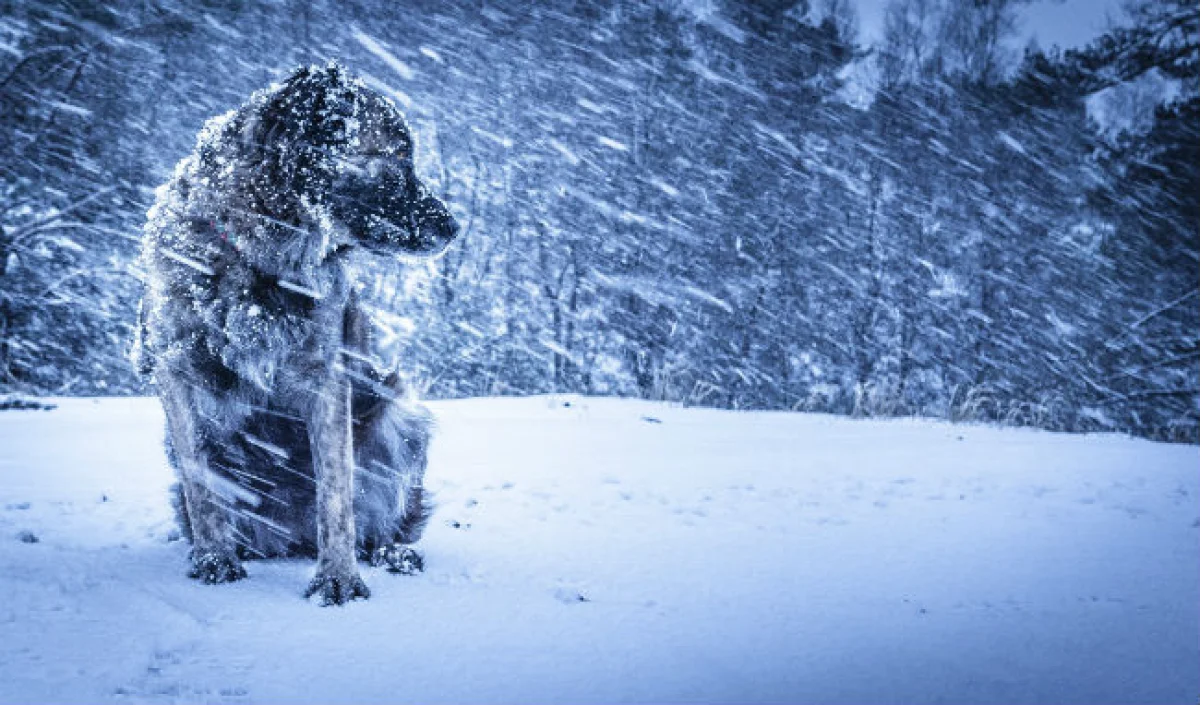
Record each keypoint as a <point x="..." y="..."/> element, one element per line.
<point x="432" y="227"/>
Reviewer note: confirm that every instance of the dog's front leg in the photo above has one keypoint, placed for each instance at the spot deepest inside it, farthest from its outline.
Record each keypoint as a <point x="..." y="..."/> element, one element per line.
<point x="214" y="558"/>
<point x="337" y="579"/>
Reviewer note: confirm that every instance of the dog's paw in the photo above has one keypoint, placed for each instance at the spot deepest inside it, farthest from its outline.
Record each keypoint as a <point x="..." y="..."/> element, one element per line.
<point x="337" y="588"/>
<point x="211" y="568"/>
<point x="399" y="558"/>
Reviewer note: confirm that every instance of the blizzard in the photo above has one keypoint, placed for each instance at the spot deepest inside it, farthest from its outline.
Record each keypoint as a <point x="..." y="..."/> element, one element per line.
<point x="605" y="550"/>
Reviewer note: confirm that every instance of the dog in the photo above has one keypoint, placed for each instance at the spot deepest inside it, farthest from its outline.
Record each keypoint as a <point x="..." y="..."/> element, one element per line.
<point x="285" y="437"/>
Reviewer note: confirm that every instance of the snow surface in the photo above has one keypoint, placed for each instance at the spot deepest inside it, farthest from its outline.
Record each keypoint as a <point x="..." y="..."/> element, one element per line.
<point x="616" y="551"/>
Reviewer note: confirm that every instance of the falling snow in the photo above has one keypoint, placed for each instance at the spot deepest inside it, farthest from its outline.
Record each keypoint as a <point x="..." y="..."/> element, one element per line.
<point x="933" y="227"/>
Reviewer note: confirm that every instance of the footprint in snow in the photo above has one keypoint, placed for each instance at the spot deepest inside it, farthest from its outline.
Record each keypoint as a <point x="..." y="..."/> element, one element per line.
<point x="570" y="596"/>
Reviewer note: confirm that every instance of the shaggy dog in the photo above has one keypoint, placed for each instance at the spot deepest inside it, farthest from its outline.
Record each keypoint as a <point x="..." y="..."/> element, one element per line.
<point x="286" y="440"/>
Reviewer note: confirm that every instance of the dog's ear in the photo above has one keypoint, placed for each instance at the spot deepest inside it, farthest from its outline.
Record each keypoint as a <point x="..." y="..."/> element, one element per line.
<point x="265" y="121"/>
<point x="289" y="116"/>
<point x="291" y="134"/>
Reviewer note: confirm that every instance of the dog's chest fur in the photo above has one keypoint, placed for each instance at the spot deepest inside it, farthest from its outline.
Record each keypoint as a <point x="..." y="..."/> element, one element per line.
<point x="270" y="314"/>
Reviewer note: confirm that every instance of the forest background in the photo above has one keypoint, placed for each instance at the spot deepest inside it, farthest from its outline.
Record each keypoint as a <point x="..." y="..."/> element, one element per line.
<point x="733" y="204"/>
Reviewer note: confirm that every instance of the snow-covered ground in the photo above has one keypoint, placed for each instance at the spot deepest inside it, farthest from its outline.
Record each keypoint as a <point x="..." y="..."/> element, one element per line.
<point x="619" y="551"/>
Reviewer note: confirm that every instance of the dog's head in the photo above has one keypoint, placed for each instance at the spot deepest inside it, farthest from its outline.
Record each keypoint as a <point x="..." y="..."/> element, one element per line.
<point x="323" y="142"/>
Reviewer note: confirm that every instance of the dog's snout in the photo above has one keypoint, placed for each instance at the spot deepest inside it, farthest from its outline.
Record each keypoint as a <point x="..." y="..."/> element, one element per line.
<point x="432" y="227"/>
<point x="385" y="205"/>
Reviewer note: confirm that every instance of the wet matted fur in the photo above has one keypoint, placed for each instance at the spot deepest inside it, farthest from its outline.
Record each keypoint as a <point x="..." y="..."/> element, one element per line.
<point x="286" y="438"/>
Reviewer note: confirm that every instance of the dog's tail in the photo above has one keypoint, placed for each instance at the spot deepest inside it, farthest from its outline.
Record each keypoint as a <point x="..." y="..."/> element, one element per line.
<point x="391" y="442"/>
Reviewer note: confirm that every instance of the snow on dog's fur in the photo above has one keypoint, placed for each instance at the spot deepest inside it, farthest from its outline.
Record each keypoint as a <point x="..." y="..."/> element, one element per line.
<point x="285" y="437"/>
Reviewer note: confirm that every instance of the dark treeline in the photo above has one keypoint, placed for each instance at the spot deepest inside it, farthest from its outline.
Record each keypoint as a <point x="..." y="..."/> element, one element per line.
<point x="729" y="204"/>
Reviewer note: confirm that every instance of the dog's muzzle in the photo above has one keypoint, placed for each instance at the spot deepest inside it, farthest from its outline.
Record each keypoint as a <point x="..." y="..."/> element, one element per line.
<point x="431" y="228"/>
<point x="386" y="207"/>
